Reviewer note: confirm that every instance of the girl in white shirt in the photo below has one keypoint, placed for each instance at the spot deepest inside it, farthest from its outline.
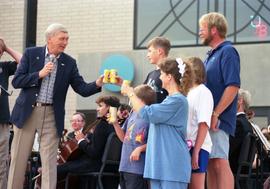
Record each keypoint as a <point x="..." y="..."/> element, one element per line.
<point x="200" y="102"/>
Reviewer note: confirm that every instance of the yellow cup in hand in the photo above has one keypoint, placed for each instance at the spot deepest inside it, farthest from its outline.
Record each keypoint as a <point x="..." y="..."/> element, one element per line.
<point x="113" y="114"/>
<point x="125" y="84"/>
<point x="113" y="74"/>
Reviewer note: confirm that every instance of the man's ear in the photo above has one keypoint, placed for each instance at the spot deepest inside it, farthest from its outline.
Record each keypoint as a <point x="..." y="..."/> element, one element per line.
<point x="213" y="30"/>
<point x="240" y="100"/>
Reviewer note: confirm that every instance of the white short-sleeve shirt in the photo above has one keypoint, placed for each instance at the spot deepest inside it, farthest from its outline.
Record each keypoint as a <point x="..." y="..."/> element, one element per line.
<point x="200" y="101"/>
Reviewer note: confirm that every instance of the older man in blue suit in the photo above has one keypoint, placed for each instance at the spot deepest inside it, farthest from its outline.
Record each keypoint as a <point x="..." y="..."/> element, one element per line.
<point x="44" y="75"/>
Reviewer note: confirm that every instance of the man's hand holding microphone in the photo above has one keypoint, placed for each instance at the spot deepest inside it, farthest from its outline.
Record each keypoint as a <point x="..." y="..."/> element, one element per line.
<point x="48" y="68"/>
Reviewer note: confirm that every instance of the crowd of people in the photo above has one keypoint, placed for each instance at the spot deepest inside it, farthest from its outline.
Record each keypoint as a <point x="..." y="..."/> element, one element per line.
<point x="187" y="119"/>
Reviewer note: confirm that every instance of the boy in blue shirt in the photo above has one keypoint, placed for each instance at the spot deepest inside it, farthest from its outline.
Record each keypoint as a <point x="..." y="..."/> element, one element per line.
<point x="133" y="134"/>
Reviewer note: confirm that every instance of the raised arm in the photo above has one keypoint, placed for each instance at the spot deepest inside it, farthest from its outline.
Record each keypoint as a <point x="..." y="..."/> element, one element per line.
<point x="137" y="103"/>
<point x="118" y="130"/>
<point x="14" y="54"/>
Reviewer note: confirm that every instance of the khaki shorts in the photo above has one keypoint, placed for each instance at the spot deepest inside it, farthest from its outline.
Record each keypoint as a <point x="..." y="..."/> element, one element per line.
<point x="221" y="145"/>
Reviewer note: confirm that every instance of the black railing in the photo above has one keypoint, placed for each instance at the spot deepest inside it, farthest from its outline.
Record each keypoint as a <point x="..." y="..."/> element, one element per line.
<point x="249" y="20"/>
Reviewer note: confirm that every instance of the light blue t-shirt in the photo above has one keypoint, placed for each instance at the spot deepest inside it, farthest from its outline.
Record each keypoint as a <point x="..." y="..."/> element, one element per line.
<point x="136" y="131"/>
<point x="167" y="155"/>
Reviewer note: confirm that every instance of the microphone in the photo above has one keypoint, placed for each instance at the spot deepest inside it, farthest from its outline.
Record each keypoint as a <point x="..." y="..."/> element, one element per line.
<point x="52" y="59"/>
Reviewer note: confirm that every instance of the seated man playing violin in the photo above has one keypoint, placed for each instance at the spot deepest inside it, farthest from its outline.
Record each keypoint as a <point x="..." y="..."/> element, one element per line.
<point x="91" y="141"/>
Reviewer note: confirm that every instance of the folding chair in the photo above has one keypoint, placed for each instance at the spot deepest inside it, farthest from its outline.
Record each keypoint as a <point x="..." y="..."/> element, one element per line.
<point x="111" y="157"/>
<point x="246" y="158"/>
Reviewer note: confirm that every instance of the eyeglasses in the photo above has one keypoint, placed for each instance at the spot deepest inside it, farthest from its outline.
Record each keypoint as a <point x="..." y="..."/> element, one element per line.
<point x="75" y="121"/>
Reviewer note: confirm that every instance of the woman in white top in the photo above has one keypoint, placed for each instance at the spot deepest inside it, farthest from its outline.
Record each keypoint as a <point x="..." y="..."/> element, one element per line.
<point x="200" y="102"/>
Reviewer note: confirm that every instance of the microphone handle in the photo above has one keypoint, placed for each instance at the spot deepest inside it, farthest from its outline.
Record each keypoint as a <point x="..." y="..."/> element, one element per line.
<point x="52" y="60"/>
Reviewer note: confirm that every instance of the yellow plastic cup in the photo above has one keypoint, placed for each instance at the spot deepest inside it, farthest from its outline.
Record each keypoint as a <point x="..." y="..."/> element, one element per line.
<point x="113" y="74"/>
<point x="106" y="78"/>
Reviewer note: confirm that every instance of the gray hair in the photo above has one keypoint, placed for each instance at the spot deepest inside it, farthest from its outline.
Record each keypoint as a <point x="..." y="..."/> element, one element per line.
<point x="81" y="114"/>
<point x="53" y="29"/>
<point x="246" y="96"/>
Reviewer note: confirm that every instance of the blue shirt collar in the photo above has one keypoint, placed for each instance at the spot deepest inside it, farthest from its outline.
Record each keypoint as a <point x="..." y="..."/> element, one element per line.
<point x="211" y="51"/>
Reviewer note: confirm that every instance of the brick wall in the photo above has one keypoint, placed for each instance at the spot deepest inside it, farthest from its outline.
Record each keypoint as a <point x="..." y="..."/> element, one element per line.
<point x="11" y="29"/>
<point x="93" y="25"/>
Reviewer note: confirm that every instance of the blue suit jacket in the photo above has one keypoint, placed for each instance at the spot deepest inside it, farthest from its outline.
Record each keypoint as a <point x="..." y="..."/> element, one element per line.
<point x="26" y="78"/>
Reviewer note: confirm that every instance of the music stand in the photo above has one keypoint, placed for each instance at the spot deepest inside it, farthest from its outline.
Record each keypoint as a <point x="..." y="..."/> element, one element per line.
<point x="261" y="136"/>
<point x="263" y="149"/>
<point x="6" y="91"/>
